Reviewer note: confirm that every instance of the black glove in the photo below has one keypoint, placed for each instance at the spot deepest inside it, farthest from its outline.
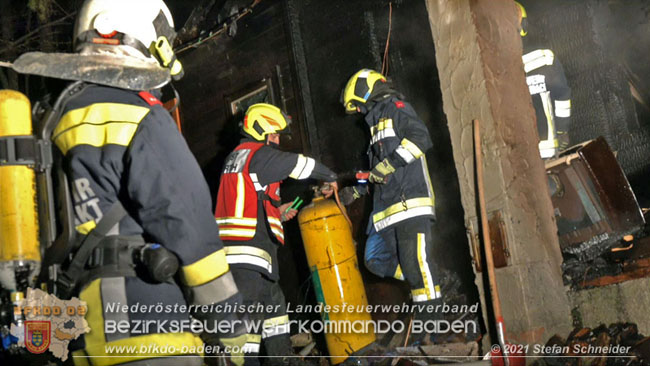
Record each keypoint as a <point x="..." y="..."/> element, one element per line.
<point x="379" y="174"/>
<point x="348" y="195"/>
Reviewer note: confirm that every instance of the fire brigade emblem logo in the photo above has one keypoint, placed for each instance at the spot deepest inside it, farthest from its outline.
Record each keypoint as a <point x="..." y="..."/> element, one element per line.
<point x="37" y="336"/>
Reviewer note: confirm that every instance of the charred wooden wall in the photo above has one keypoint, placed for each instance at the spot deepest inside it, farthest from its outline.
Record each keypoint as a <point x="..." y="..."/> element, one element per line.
<point x="224" y="68"/>
<point x="339" y="38"/>
<point x="317" y="46"/>
<point x="603" y="46"/>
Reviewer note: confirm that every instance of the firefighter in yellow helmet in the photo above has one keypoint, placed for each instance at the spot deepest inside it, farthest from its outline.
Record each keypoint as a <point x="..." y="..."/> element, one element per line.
<point x="250" y="215"/>
<point x="138" y="195"/>
<point x="549" y="90"/>
<point x="400" y="232"/>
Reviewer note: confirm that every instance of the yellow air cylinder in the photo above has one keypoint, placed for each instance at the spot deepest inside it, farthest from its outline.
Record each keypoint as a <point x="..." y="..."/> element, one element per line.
<point x="18" y="209"/>
<point x="332" y="259"/>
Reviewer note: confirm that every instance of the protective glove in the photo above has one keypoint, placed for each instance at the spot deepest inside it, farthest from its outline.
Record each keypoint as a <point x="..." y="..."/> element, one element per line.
<point x="328" y="188"/>
<point x="236" y="347"/>
<point x="348" y="195"/>
<point x="379" y="174"/>
<point x="562" y="140"/>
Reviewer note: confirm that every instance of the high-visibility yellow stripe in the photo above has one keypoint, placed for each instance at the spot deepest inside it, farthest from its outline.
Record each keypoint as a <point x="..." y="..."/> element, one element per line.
<point x="424" y="267"/>
<point x="86" y="227"/>
<point x="411" y="147"/>
<point x="117" y="133"/>
<point x="419" y="292"/>
<point x="383" y="124"/>
<point x="402" y="206"/>
<point x="205" y="269"/>
<point x="427" y="179"/>
<point x="100" y="113"/>
<point x="419" y="295"/>
<point x="253" y="338"/>
<point x="98" y="125"/>
<point x="95" y="342"/>
<point x="241" y="196"/>
<point x="92" y="295"/>
<point x="278" y="320"/>
<point x="245" y="249"/>
<point x="398" y="273"/>
<point x="380" y="135"/>
<point x="275" y="326"/>
<point x="171" y="343"/>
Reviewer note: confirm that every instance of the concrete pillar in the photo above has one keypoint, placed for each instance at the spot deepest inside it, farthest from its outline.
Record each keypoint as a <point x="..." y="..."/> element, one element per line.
<point x="478" y="53"/>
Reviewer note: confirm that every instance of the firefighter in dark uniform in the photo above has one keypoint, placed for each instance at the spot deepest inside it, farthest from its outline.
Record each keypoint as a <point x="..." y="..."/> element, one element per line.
<point x="250" y="215"/>
<point x="403" y="197"/>
<point x="550" y="92"/>
<point x="126" y="161"/>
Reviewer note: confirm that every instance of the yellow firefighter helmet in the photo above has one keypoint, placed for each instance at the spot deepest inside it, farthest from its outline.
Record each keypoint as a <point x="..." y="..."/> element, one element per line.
<point x="263" y="119"/>
<point x="359" y="88"/>
<point x="523" y="21"/>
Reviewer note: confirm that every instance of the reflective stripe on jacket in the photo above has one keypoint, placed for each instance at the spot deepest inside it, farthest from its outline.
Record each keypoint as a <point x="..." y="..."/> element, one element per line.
<point x="551" y="97"/>
<point x="237" y="213"/>
<point x="398" y="134"/>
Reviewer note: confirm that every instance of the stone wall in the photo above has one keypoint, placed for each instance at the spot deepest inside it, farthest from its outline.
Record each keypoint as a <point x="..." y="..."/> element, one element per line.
<point x="478" y="53"/>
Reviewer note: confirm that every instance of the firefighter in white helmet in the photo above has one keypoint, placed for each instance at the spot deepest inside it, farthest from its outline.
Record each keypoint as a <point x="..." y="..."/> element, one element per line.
<point x="133" y="181"/>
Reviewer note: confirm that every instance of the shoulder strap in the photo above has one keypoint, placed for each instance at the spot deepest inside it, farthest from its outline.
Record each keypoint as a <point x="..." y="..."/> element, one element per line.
<point x="69" y="279"/>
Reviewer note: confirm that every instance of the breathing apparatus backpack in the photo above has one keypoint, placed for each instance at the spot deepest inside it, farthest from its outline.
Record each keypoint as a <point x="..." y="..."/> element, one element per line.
<point x="39" y="245"/>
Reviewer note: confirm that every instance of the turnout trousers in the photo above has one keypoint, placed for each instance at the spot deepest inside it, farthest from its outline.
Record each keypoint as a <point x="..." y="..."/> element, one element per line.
<point x="269" y="329"/>
<point x="405" y="251"/>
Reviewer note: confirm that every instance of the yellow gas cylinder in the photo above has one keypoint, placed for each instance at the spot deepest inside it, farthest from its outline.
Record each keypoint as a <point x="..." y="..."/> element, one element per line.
<point x="19" y="243"/>
<point x="332" y="259"/>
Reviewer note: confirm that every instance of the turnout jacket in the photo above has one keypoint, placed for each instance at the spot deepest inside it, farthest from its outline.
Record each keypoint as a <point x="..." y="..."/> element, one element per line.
<point x="551" y="97"/>
<point x="398" y="134"/>
<point x="123" y="145"/>
<point x="248" y="200"/>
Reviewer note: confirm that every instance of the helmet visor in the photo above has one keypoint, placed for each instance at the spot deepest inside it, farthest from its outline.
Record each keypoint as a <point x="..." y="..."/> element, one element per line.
<point x="163" y="28"/>
<point x="286" y="130"/>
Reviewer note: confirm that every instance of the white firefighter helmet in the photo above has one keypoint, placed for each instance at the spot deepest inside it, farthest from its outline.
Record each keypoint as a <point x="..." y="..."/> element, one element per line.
<point x="141" y="21"/>
<point x="122" y="43"/>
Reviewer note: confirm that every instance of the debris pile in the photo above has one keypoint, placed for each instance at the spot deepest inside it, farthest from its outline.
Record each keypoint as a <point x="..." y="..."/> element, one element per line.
<point x="619" y="344"/>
